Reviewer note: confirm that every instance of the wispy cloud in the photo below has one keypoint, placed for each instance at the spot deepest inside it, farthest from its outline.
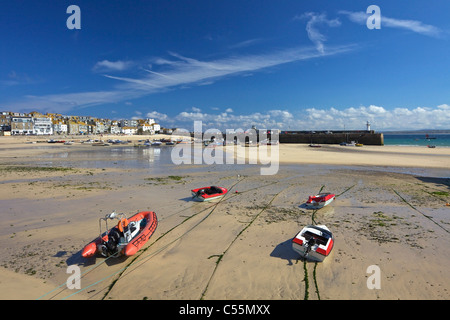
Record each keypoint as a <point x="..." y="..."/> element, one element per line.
<point x="185" y="71"/>
<point x="312" y="27"/>
<point x="411" y="25"/>
<point x="176" y="71"/>
<point x="66" y="102"/>
<point x="106" y="65"/>
<point x="13" y="79"/>
<point x="246" y="43"/>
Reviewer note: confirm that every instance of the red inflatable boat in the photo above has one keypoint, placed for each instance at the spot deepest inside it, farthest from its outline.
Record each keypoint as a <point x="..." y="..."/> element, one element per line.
<point x="125" y="238"/>
<point x="320" y="200"/>
<point x="208" y="193"/>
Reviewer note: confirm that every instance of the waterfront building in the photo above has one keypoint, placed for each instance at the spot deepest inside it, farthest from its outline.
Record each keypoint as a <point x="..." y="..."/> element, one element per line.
<point x="21" y="124"/>
<point x="42" y="125"/>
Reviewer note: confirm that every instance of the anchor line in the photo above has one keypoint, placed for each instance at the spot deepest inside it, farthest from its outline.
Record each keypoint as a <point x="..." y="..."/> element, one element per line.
<point x="81" y="276"/>
<point x="315" y="265"/>
<point x="414" y="208"/>
<point x="220" y="257"/>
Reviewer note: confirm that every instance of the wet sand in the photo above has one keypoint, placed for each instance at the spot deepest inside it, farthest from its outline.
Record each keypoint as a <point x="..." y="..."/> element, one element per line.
<point x="390" y="211"/>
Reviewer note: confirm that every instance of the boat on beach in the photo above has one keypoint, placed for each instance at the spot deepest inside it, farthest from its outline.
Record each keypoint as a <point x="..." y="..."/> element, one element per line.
<point x="125" y="238"/>
<point x="320" y="200"/>
<point x="154" y="143"/>
<point x="55" y="141"/>
<point x="313" y="242"/>
<point x="100" y="144"/>
<point x="208" y="193"/>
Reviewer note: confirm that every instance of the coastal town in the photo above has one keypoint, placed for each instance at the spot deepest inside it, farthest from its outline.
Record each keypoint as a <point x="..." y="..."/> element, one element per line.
<point x="36" y="123"/>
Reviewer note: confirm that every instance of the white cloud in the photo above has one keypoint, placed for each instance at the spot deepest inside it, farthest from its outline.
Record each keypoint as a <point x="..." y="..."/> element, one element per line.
<point x="382" y="119"/>
<point x="350" y="118"/>
<point x="444" y="107"/>
<point x="156" y="115"/>
<point x="411" y="25"/>
<point x="316" y="20"/>
<point x="283" y="114"/>
<point x="105" y="65"/>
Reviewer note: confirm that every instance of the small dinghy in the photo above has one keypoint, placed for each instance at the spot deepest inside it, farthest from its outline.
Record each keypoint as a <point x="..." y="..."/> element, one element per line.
<point x="125" y="238"/>
<point x="313" y="242"/>
<point x="208" y="193"/>
<point x="320" y="200"/>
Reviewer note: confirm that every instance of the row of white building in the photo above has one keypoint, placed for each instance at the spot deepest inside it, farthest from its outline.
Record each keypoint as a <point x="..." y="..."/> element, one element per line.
<point x="38" y="124"/>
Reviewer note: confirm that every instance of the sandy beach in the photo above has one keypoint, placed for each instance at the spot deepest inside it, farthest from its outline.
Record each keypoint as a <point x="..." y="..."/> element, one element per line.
<point x="391" y="210"/>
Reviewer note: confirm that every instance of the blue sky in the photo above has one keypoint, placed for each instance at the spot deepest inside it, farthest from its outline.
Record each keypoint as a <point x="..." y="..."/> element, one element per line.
<point x="292" y="65"/>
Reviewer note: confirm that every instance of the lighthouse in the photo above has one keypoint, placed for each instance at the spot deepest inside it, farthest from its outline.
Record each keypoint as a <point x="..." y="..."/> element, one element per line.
<point x="368" y="125"/>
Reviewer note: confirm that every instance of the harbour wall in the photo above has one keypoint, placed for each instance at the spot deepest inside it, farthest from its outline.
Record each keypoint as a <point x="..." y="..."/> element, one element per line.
<point x="364" y="137"/>
<point x="314" y="137"/>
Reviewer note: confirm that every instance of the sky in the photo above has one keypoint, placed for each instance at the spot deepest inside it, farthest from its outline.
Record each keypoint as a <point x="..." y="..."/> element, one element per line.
<point x="288" y="65"/>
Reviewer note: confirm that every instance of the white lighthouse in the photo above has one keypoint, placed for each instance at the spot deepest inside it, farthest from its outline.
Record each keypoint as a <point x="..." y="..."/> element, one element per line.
<point x="368" y="125"/>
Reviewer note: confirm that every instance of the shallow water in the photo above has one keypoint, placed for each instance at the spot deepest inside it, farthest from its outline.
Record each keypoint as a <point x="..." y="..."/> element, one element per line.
<point x="158" y="160"/>
<point x="155" y="159"/>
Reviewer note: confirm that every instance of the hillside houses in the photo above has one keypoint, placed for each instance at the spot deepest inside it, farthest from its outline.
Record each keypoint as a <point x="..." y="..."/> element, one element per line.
<point x="36" y="123"/>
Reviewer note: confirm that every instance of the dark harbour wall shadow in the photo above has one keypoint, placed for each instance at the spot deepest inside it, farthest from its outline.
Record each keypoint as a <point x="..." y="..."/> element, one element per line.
<point x="444" y="182"/>
<point x="284" y="251"/>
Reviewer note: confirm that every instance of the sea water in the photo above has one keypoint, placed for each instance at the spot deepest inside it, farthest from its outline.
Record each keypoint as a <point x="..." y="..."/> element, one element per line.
<point x="438" y="140"/>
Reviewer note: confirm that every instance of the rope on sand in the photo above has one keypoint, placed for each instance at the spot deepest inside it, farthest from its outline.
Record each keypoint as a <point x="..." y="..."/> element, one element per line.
<point x="426" y="216"/>
<point x="233" y="241"/>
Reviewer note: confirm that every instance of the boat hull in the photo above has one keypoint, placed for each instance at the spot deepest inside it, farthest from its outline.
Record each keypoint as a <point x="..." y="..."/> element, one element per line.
<point x="201" y="199"/>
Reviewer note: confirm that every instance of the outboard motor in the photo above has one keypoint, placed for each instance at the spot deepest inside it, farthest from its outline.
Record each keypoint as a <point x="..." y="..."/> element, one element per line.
<point x="113" y="241"/>
<point x="310" y="243"/>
